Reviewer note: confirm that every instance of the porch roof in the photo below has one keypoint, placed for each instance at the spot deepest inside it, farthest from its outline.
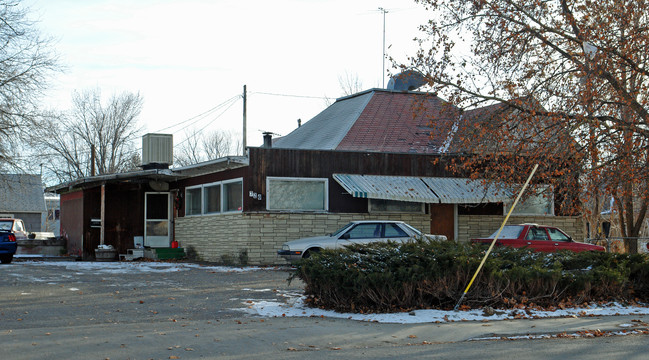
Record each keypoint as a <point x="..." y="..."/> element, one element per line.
<point x="420" y="189"/>
<point x="158" y="175"/>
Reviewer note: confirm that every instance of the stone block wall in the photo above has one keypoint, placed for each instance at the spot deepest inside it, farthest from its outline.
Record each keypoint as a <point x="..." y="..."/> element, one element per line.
<point x="484" y="225"/>
<point x="254" y="238"/>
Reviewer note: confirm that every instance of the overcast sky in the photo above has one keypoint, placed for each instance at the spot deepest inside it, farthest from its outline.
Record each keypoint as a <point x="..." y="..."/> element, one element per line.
<point x="187" y="57"/>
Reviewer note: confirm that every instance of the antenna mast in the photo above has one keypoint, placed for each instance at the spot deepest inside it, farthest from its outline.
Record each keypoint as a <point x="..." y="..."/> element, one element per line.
<point x="384" y="11"/>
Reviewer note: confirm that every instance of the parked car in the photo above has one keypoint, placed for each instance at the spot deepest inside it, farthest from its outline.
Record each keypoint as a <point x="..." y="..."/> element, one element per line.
<point x="537" y="237"/>
<point x="8" y="237"/>
<point x="356" y="232"/>
<point x="15" y="226"/>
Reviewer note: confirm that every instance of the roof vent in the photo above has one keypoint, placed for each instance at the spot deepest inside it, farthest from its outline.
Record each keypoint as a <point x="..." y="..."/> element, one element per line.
<point x="157" y="151"/>
<point x="406" y="81"/>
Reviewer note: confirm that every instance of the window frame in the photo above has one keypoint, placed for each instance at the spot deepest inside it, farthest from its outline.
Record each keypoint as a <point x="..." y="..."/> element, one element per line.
<point x="223" y="184"/>
<point x="324" y="181"/>
<point x="187" y="199"/>
<point x="203" y="201"/>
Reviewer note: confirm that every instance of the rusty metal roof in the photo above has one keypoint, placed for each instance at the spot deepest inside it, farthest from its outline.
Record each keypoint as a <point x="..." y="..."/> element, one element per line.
<point x="420" y="189"/>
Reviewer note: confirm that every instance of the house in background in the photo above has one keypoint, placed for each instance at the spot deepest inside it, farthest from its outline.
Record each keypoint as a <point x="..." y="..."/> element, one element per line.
<point x="22" y="197"/>
<point x="52" y="219"/>
<point x="371" y="155"/>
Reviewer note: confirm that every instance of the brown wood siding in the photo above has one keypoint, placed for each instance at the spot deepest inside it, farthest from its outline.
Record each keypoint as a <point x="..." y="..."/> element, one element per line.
<point x="91" y="210"/>
<point x="323" y="164"/>
<point x="71" y="221"/>
<point x="124" y="218"/>
<point x="124" y="215"/>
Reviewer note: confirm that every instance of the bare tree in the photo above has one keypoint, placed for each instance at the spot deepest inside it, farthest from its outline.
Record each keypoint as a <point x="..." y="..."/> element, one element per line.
<point x="25" y="63"/>
<point x="199" y="147"/>
<point x="110" y="131"/>
<point x="350" y="84"/>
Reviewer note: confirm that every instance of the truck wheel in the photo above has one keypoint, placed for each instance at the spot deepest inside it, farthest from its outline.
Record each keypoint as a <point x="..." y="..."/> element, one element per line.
<point x="6" y="259"/>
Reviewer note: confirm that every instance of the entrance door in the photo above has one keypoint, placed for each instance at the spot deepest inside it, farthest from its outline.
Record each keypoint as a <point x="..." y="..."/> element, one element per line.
<point x="157" y="211"/>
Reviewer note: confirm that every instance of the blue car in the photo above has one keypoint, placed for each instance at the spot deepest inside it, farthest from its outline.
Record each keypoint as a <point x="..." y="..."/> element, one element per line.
<point x="7" y="246"/>
<point x="8" y="230"/>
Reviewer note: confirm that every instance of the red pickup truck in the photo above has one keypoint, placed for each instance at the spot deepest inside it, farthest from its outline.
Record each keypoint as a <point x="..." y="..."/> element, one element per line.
<point x="538" y="238"/>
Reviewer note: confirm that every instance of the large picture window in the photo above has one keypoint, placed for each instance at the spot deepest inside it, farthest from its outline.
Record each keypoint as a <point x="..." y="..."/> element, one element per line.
<point x="298" y="194"/>
<point x="214" y="198"/>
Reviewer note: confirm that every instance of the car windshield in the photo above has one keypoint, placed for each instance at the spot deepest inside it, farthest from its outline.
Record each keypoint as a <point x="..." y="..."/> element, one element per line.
<point x="342" y="229"/>
<point x="5" y="225"/>
<point x="509" y="232"/>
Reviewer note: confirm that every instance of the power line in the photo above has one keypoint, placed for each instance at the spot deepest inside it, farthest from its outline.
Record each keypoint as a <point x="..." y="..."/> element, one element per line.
<point x="209" y="123"/>
<point x="201" y="115"/>
<point x="290" y="95"/>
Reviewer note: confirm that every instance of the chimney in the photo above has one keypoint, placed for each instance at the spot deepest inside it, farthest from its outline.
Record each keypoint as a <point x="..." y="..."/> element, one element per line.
<point x="299" y="122"/>
<point x="268" y="140"/>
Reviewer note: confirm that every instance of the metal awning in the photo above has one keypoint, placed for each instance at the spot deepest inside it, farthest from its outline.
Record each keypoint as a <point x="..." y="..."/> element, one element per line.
<point x="402" y="188"/>
<point x="420" y="189"/>
<point x="465" y="191"/>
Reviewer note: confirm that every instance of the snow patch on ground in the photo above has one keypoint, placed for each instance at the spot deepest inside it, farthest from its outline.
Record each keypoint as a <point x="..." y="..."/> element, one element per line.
<point x="292" y="305"/>
<point x="114" y="267"/>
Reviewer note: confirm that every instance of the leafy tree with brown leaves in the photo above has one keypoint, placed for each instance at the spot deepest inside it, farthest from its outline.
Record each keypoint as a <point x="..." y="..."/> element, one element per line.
<point x="548" y="68"/>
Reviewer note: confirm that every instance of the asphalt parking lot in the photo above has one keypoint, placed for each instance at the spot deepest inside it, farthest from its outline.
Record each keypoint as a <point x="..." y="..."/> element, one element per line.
<point x="169" y="311"/>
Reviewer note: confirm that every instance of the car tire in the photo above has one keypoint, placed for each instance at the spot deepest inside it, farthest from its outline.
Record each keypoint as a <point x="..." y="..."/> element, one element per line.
<point x="6" y="259"/>
<point x="307" y="254"/>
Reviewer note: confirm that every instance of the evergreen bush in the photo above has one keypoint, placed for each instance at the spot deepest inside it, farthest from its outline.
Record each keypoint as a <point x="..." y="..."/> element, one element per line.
<point x="421" y="274"/>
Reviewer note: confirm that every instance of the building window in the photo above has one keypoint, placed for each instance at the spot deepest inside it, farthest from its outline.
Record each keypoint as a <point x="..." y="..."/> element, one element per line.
<point x="214" y="198"/>
<point x="534" y="205"/>
<point x="301" y="194"/>
<point x="379" y="205"/>
<point x="233" y="196"/>
<point x="193" y="201"/>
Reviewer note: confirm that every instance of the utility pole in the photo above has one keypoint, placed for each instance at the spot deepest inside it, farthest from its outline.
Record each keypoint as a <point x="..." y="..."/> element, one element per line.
<point x="384" y="11"/>
<point x="92" y="159"/>
<point x="243" y="145"/>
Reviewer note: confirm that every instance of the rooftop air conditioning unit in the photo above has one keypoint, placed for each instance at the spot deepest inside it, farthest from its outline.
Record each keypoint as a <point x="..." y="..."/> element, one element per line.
<point x="157" y="150"/>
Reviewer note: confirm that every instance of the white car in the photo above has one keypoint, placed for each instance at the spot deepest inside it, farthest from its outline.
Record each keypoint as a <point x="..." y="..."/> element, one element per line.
<point x="356" y="232"/>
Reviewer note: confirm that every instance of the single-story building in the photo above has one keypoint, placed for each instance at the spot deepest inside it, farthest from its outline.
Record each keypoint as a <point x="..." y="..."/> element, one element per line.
<point x="368" y="156"/>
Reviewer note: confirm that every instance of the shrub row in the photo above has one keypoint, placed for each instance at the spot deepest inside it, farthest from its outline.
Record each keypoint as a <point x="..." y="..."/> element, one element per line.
<point x="389" y="277"/>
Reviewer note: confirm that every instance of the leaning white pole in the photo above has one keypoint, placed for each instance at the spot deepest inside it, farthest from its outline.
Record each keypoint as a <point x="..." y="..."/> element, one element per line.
<point x="493" y="242"/>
